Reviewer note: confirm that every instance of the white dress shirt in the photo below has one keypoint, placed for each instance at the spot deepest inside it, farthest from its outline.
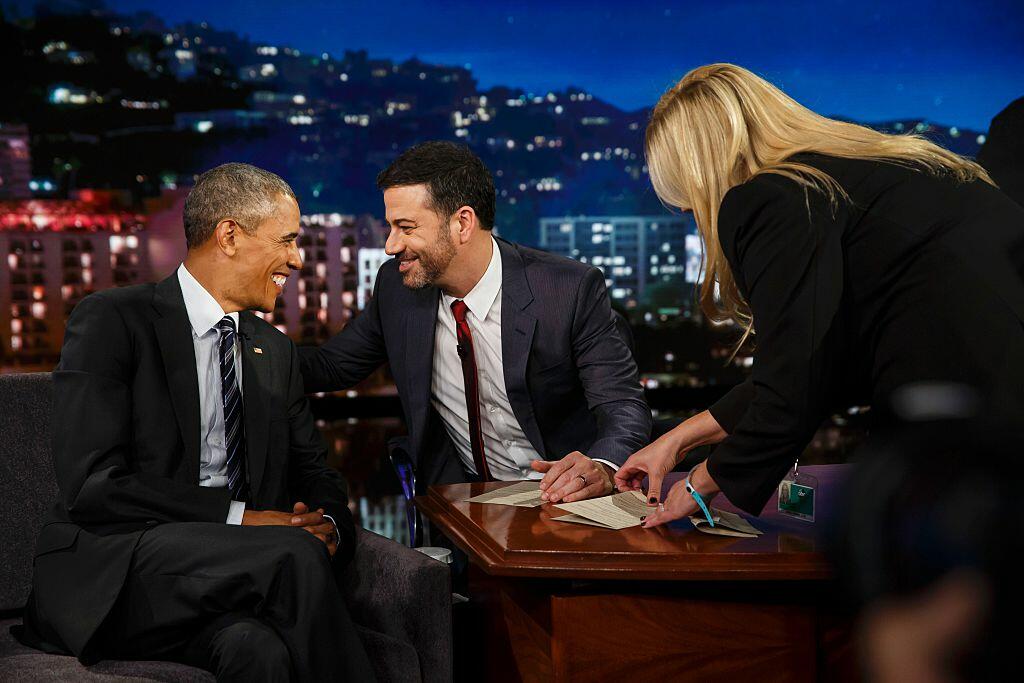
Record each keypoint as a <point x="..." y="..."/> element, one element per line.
<point x="506" y="446"/>
<point x="203" y="314"/>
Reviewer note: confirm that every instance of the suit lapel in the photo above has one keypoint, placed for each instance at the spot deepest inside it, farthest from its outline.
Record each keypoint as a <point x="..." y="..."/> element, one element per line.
<point x="419" y="358"/>
<point x="256" y="382"/>
<point x="517" y="331"/>
<point x="174" y="335"/>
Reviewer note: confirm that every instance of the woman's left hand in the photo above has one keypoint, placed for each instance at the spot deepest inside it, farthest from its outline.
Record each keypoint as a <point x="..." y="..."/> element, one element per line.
<point x="679" y="503"/>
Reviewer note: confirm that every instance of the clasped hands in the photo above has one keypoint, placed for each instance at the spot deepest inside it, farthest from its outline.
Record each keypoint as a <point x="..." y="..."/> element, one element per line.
<point x="302" y="517"/>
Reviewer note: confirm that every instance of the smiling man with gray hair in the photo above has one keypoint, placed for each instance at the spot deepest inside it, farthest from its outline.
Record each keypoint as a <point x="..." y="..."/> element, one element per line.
<point x="197" y="520"/>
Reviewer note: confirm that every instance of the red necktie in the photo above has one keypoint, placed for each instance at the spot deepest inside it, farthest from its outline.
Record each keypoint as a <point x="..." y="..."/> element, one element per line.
<point x="469" y="378"/>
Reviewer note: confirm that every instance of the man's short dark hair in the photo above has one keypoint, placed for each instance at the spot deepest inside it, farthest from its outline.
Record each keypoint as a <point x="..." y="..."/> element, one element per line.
<point x="454" y="176"/>
<point x="240" y="191"/>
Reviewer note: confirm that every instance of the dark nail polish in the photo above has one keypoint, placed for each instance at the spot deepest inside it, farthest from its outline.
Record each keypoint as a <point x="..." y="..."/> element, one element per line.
<point x="652" y="500"/>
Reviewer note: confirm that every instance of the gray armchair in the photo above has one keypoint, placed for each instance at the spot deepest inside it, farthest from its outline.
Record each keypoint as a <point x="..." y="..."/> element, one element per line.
<point x="400" y="598"/>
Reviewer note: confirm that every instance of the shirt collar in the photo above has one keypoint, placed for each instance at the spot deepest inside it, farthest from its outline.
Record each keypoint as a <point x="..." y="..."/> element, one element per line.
<point x="482" y="296"/>
<point x="203" y="310"/>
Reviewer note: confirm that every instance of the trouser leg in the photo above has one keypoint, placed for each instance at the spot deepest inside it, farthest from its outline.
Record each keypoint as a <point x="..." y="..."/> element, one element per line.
<point x="238" y="647"/>
<point x="184" y="576"/>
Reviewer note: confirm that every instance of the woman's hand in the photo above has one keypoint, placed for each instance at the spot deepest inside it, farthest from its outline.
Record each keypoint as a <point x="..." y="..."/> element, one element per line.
<point x="679" y="503"/>
<point x="657" y="459"/>
<point x="654" y="460"/>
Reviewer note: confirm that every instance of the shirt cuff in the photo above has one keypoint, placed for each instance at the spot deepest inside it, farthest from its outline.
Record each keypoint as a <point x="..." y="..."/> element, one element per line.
<point x="615" y="468"/>
<point x="235" y="512"/>
<point x="337" y="536"/>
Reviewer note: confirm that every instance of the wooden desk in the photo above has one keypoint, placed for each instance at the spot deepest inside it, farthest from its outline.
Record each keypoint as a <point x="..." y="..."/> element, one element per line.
<point x="567" y="602"/>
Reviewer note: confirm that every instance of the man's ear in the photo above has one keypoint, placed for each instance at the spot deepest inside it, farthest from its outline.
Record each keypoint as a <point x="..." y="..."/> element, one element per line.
<point x="226" y="235"/>
<point x="467" y="223"/>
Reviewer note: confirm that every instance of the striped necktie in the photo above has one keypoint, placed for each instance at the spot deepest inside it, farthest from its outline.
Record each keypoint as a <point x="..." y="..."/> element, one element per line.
<point x="234" y="431"/>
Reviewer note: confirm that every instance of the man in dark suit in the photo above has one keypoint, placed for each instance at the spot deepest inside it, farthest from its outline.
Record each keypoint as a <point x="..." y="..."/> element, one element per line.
<point x="507" y="360"/>
<point x="197" y="519"/>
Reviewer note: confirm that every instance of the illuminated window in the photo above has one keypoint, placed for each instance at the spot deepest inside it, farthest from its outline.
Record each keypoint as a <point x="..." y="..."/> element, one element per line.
<point x="116" y="244"/>
<point x="39" y="310"/>
<point x="131" y="240"/>
<point x="15" y="326"/>
<point x="321" y="270"/>
<point x="323" y="299"/>
<point x="38" y="293"/>
<point x="15" y="343"/>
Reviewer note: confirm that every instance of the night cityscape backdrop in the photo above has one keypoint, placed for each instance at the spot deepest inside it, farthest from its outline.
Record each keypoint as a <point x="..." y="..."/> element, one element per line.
<point x="111" y="109"/>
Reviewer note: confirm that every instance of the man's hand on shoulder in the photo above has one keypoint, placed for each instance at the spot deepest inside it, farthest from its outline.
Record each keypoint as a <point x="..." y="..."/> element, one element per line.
<point x="574" y="477"/>
<point x="300" y="516"/>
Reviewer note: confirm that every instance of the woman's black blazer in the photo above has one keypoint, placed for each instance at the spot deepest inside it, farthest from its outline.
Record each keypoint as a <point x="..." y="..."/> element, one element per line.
<point x="915" y="278"/>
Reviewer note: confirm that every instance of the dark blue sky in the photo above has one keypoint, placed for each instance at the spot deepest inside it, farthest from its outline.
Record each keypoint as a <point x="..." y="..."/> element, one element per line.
<point x="956" y="63"/>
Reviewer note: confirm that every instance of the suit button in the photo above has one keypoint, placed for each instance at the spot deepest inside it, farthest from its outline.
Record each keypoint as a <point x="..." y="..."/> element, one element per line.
<point x="508" y="443"/>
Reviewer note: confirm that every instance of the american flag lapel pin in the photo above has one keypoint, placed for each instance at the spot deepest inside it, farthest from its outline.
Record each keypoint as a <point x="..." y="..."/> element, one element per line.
<point x="257" y="349"/>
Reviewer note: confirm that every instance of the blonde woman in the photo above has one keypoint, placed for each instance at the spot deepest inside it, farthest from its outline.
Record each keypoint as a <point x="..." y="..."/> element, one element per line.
<point x="858" y="262"/>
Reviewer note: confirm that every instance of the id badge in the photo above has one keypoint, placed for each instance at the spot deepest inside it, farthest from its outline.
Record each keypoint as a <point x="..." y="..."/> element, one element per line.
<point x="796" y="495"/>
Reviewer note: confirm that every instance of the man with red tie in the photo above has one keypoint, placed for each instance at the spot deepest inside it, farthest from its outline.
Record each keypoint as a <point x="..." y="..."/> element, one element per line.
<point x="507" y="359"/>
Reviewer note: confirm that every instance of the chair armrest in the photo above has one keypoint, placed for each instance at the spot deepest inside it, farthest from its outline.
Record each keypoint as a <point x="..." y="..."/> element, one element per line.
<point x="402" y="593"/>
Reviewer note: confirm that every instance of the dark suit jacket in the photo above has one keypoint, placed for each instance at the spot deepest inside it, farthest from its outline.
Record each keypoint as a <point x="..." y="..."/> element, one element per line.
<point x="1002" y="155"/>
<point x="917" y="278"/>
<point x="570" y="378"/>
<point x="126" y="450"/>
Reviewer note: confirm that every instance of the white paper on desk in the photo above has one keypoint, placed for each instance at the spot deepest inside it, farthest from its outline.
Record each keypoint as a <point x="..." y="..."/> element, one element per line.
<point x="726" y="524"/>
<point x="525" y="494"/>
<point x="576" y="519"/>
<point x="617" y="511"/>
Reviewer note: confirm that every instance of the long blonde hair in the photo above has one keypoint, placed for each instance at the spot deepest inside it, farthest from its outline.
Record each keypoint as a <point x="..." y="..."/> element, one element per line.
<point x="720" y="125"/>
